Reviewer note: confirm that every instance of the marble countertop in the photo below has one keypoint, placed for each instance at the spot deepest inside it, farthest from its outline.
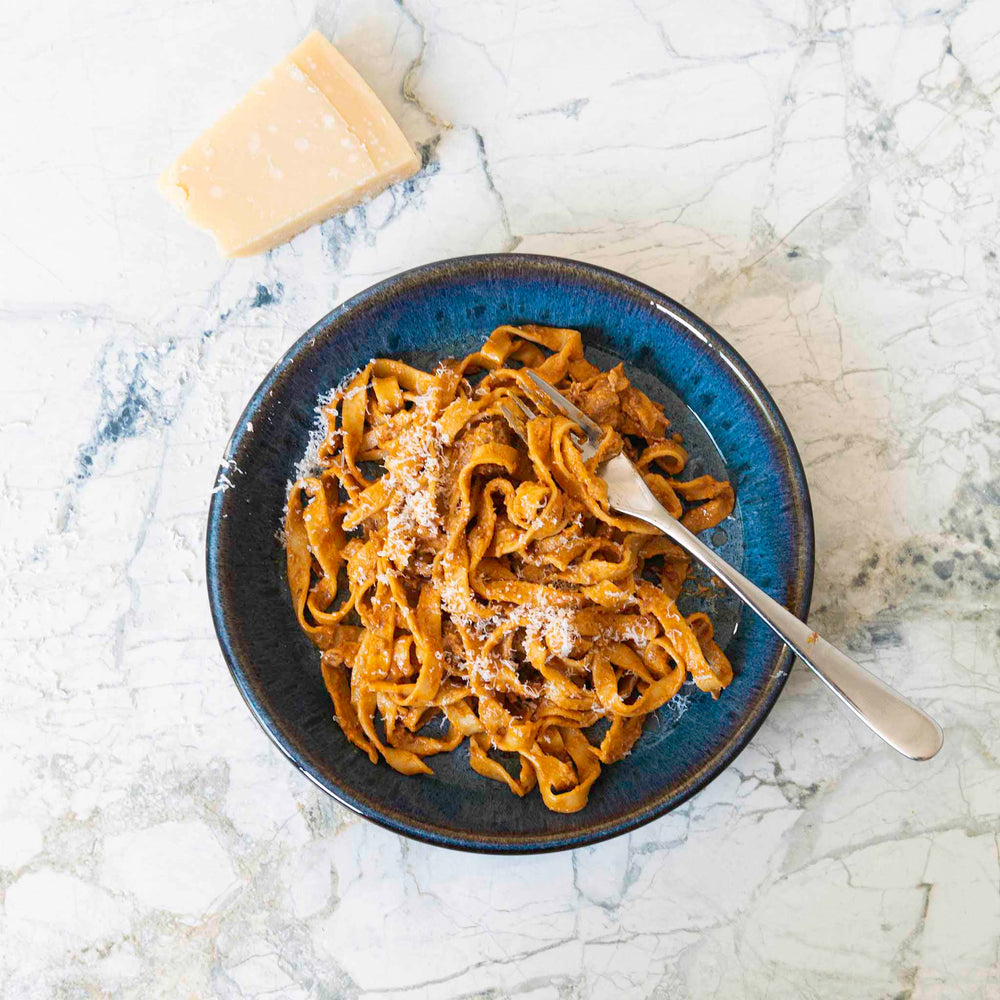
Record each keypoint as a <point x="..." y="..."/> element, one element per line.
<point x="817" y="179"/>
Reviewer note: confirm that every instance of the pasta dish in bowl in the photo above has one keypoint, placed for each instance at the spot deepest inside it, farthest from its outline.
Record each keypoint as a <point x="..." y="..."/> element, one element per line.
<point x="454" y="636"/>
<point x="487" y="584"/>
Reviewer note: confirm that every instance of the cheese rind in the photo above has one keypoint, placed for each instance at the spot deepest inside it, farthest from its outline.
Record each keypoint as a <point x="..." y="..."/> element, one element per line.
<point x="308" y="141"/>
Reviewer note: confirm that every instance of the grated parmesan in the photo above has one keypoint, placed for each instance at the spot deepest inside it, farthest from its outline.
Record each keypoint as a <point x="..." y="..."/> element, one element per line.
<point x="630" y="632"/>
<point x="308" y="464"/>
<point x="554" y="625"/>
<point x="679" y="704"/>
<point x="412" y="475"/>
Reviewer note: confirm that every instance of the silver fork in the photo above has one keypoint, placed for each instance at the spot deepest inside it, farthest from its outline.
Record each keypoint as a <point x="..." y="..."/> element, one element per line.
<point x="886" y="712"/>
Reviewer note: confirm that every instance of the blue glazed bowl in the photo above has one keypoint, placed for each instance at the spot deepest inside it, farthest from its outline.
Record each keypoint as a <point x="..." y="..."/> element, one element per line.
<point x="730" y="424"/>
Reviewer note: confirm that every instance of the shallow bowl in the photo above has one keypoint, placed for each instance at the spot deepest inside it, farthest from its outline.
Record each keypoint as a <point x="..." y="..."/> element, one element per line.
<point x="732" y="428"/>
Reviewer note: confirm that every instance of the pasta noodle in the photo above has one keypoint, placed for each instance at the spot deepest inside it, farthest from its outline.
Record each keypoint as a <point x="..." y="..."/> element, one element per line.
<point x="452" y="573"/>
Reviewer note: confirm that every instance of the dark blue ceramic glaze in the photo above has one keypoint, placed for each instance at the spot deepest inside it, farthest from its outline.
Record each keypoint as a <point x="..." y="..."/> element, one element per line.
<point x="447" y="308"/>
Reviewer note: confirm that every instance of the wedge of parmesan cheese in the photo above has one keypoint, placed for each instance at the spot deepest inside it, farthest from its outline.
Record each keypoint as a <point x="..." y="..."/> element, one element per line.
<point x="307" y="142"/>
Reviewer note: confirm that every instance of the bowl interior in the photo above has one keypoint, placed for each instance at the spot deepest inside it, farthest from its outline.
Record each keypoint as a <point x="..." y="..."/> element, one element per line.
<point x="731" y="428"/>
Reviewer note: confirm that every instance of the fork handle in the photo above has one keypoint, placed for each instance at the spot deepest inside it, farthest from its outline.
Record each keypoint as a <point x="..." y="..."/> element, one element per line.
<point x="886" y="712"/>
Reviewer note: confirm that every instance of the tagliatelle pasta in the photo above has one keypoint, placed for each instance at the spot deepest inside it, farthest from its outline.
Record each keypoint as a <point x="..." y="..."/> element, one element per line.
<point x="452" y="573"/>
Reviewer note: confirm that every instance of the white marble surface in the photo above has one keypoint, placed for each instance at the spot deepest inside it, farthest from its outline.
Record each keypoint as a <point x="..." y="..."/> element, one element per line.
<point x="819" y="180"/>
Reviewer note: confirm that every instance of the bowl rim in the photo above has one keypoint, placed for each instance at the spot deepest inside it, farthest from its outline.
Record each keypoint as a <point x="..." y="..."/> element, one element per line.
<point x="777" y="677"/>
